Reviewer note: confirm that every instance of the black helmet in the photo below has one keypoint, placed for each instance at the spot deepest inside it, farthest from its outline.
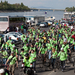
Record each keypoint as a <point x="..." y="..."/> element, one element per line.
<point x="27" y="54"/>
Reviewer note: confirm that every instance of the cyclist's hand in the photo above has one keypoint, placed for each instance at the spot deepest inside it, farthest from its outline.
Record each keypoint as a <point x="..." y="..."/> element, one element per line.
<point x="17" y="66"/>
<point x="39" y="55"/>
<point x="5" y="64"/>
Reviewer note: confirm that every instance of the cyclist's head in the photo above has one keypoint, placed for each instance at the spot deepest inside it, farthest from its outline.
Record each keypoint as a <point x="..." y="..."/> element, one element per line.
<point x="27" y="56"/>
<point x="37" y="40"/>
<point x="43" y="45"/>
<point x="38" y="34"/>
<point x="50" y="37"/>
<point x="22" y="50"/>
<point x="32" y="45"/>
<point x="9" y="38"/>
<point x="48" y="41"/>
<point x="32" y="51"/>
<point x="12" y="53"/>
<point x="62" y="49"/>
<point x="13" y="47"/>
<point x="27" y="45"/>
<point x="43" y="30"/>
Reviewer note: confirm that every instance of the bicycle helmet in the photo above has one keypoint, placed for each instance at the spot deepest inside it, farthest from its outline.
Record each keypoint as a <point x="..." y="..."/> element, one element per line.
<point x="61" y="49"/>
<point x="27" y="54"/>
<point x="2" y="71"/>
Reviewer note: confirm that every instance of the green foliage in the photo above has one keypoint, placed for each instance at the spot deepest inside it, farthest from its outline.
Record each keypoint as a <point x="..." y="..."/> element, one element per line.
<point x="5" y="6"/>
<point x="70" y="9"/>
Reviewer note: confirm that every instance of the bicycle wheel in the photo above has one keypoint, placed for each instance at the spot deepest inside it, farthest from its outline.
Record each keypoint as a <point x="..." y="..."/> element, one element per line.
<point x="57" y="63"/>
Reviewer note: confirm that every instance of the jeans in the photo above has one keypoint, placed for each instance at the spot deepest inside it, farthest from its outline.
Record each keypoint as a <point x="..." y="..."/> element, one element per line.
<point x="4" y="60"/>
<point x="34" y="65"/>
<point x="62" y="64"/>
<point x="74" y="48"/>
<point x="24" y="30"/>
<point x="53" y="62"/>
<point x="49" y="51"/>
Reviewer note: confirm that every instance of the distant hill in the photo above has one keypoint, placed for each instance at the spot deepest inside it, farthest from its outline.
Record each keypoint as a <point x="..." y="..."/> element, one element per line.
<point x="70" y="9"/>
<point x="5" y="6"/>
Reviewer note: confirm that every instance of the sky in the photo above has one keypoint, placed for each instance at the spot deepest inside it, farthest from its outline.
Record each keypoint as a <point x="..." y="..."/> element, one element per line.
<point x="54" y="4"/>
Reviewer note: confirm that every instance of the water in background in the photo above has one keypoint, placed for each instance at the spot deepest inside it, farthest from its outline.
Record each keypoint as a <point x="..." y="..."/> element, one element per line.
<point x="57" y="14"/>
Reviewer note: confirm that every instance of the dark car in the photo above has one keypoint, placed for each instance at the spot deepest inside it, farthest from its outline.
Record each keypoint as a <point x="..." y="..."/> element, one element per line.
<point x="43" y="24"/>
<point x="38" y="24"/>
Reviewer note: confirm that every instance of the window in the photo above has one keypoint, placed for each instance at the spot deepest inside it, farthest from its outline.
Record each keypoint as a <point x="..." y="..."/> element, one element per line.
<point x="3" y="19"/>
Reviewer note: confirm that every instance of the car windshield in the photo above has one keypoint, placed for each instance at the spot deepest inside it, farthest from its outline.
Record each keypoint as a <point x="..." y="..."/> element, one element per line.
<point x="15" y="35"/>
<point x="42" y="23"/>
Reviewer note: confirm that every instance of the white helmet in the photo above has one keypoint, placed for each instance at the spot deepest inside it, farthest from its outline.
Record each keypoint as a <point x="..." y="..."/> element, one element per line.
<point x="13" y="46"/>
<point x="61" y="49"/>
<point x="2" y="71"/>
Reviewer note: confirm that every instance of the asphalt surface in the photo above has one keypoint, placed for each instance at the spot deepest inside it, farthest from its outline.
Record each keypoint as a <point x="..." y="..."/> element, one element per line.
<point x="44" y="69"/>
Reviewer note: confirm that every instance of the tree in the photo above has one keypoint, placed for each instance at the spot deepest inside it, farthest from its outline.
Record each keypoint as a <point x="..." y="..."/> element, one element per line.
<point x="13" y="7"/>
<point x="22" y="4"/>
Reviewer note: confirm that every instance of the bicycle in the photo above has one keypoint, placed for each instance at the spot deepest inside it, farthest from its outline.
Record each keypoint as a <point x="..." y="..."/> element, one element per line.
<point x="57" y="63"/>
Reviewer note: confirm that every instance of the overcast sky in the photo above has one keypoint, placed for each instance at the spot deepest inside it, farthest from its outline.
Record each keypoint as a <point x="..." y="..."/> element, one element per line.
<point x="55" y="4"/>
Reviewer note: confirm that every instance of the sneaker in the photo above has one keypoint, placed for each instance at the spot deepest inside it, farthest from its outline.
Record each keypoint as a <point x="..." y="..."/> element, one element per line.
<point x="34" y="72"/>
<point x="54" y="70"/>
<point x="62" y="70"/>
<point x="64" y="66"/>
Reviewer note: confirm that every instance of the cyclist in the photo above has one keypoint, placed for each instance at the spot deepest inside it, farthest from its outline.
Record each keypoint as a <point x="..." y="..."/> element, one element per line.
<point x="63" y="57"/>
<point x="26" y="48"/>
<point x="32" y="48"/>
<point x="9" y="41"/>
<point x="27" y="62"/>
<point x="4" y="71"/>
<point x="13" y="60"/>
<point x="3" y="46"/>
<point x="14" y="49"/>
<point x="4" y="55"/>
<point x="33" y="57"/>
<point x="49" y="48"/>
<point x="43" y="51"/>
<point x="54" y="55"/>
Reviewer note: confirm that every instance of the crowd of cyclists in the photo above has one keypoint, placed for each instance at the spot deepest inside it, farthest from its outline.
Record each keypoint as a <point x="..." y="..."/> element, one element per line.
<point x="57" y="42"/>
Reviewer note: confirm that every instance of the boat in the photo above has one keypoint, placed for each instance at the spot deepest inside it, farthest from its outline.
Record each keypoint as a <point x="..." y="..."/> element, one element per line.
<point x="50" y="18"/>
<point x="68" y="15"/>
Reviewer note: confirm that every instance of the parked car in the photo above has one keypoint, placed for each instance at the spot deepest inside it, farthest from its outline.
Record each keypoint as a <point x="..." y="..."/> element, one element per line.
<point x="18" y="34"/>
<point x="33" y="23"/>
<point x="43" y="24"/>
<point x="15" y="36"/>
<point x="50" y="23"/>
<point x="38" y="24"/>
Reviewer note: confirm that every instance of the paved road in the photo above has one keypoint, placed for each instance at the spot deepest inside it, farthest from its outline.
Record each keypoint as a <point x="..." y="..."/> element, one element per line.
<point x="69" y="70"/>
<point x="44" y="69"/>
